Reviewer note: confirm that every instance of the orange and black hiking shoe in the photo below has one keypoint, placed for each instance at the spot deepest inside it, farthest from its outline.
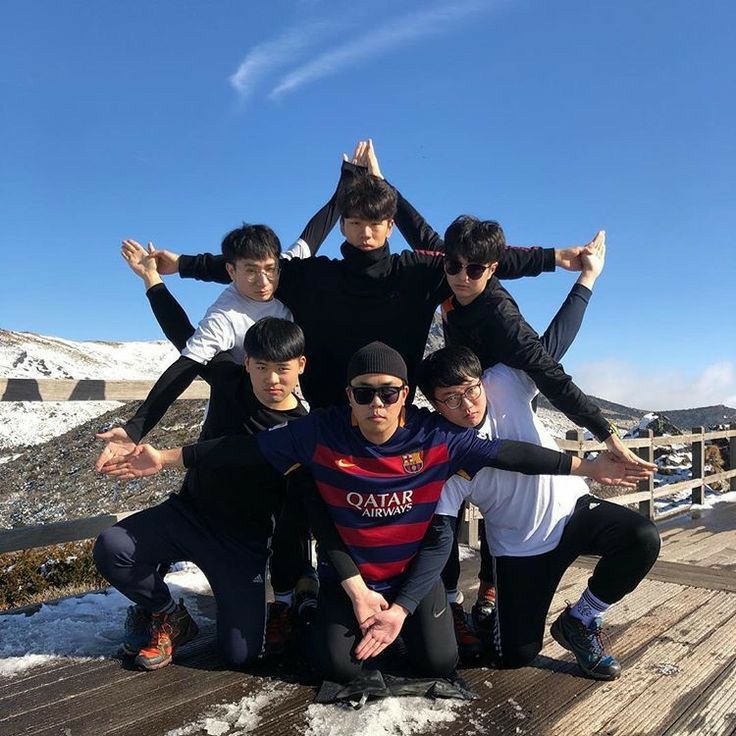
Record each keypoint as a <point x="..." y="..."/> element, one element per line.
<point x="279" y="628"/>
<point x="469" y="646"/>
<point x="168" y="632"/>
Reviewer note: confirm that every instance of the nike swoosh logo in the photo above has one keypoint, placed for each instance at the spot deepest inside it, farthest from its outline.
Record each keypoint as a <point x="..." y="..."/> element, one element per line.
<point x="345" y="464"/>
<point x="437" y="615"/>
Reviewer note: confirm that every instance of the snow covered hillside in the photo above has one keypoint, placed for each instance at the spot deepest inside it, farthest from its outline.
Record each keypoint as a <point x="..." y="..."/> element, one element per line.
<point x="27" y="355"/>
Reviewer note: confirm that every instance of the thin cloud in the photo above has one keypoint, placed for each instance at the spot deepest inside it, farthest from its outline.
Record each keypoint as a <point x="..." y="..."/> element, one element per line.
<point x="278" y="52"/>
<point x="658" y="388"/>
<point x="410" y="27"/>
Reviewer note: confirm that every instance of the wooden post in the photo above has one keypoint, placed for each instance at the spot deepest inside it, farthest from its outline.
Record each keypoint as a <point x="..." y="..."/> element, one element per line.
<point x="576" y="435"/>
<point x="646" y="508"/>
<point x="698" y="471"/>
<point x="732" y="456"/>
<point x="467" y="532"/>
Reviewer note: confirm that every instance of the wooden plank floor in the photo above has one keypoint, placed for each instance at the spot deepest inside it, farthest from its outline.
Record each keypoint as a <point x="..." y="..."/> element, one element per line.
<point x="675" y="636"/>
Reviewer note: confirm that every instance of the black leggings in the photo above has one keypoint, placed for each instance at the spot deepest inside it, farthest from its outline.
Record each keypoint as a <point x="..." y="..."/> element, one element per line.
<point x="451" y="571"/>
<point x="628" y="545"/>
<point x="128" y="554"/>
<point x="428" y="635"/>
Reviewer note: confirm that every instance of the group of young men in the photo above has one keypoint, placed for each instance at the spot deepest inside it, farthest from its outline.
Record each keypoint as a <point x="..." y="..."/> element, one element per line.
<point x="380" y="482"/>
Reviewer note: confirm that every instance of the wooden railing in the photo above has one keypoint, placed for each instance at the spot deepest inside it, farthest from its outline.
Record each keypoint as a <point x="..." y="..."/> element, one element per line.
<point x="574" y="443"/>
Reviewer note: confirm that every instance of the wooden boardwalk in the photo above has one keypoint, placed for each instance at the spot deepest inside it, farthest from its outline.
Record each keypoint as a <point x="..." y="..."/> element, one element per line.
<point x="675" y="637"/>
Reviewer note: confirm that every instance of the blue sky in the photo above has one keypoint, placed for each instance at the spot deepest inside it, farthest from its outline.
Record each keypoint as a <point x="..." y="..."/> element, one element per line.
<point x="175" y="121"/>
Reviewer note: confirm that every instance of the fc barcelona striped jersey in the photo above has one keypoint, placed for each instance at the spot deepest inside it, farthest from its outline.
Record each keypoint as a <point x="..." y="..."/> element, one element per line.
<point x="380" y="497"/>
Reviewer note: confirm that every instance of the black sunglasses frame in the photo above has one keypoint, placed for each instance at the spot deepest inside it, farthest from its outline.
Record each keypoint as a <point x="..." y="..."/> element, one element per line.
<point x="474" y="270"/>
<point x="388" y="394"/>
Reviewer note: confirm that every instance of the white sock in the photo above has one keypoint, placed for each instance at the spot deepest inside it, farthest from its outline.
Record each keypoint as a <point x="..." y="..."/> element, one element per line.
<point x="287" y="597"/>
<point x="452" y="596"/>
<point x="589" y="607"/>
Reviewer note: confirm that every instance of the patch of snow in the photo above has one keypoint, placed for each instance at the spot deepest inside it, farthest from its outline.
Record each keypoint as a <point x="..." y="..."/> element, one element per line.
<point x="236" y="718"/>
<point x="85" y="627"/>
<point x="386" y="717"/>
<point x="467" y="553"/>
<point x="25" y="423"/>
<point x="666" y="669"/>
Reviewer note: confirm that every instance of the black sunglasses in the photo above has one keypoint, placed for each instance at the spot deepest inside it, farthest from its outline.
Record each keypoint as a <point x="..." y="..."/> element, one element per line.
<point x="474" y="270"/>
<point x="364" y="394"/>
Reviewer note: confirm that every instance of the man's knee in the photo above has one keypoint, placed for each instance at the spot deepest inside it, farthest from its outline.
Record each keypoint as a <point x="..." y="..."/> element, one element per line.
<point x="645" y="537"/>
<point x="438" y="660"/>
<point x="113" y="548"/>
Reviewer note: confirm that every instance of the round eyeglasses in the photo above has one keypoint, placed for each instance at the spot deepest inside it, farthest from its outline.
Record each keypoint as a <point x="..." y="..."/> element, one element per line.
<point x="455" y="401"/>
<point x="252" y="274"/>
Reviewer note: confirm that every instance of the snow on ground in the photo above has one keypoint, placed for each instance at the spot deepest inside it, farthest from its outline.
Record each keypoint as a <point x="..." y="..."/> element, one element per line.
<point x="34" y="422"/>
<point x="84" y="627"/>
<point x="387" y="717"/>
<point x="236" y="718"/>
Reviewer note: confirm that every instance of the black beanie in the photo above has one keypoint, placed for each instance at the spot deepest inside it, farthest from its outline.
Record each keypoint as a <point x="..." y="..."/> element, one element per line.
<point x="377" y="357"/>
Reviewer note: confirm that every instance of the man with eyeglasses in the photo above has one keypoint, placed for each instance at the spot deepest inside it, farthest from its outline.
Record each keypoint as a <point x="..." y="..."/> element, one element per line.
<point x="380" y="467"/>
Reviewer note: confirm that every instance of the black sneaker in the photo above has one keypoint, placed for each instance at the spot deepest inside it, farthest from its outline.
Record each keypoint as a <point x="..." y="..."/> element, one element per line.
<point x="469" y="646"/>
<point x="305" y="598"/>
<point x="279" y="628"/>
<point x="586" y="644"/>
<point x="137" y="630"/>
<point x="484" y="609"/>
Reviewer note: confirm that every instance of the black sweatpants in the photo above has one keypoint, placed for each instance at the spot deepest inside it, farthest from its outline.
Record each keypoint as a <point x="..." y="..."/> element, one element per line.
<point x="451" y="571"/>
<point x="628" y="545"/>
<point x="128" y="555"/>
<point x="428" y="635"/>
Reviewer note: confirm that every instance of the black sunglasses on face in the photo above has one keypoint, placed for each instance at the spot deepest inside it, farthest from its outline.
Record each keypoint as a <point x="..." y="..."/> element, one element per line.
<point x="364" y="394"/>
<point x="474" y="270"/>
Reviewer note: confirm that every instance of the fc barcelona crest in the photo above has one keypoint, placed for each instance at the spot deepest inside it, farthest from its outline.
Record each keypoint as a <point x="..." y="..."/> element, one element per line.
<point x="413" y="462"/>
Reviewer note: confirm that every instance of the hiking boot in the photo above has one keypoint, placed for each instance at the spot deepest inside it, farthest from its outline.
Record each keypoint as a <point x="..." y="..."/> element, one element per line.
<point x="137" y="630"/>
<point x="586" y="644"/>
<point x="305" y="598"/>
<point x="484" y="608"/>
<point x="469" y="646"/>
<point x="279" y="628"/>
<point x="168" y="632"/>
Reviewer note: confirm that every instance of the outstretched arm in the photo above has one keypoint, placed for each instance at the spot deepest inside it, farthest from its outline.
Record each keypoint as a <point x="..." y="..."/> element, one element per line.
<point x="524" y="457"/>
<point x="565" y="325"/>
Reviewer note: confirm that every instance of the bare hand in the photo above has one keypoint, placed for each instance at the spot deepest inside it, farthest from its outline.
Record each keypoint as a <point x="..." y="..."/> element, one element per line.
<point x="371" y="160"/>
<point x="594" y="255"/>
<point x="142" y="461"/>
<point x="118" y="445"/>
<point x="167" y="262"/>
<point x="613" y="471"/>
<point x="570" y="258"/>
<point x="366" y="605"/>
<point x="381" y="630"/>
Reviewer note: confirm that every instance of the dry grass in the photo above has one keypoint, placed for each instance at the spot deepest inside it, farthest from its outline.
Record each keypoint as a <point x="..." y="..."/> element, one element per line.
<point x="37" y="575"/>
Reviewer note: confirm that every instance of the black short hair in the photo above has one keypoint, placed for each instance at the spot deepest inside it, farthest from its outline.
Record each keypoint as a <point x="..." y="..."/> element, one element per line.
<point x="478" y="241"/>
<point x="368" y="198"/>
<point x="447" y="367"/>
<point x="257" y="242"/>
<point x="274" y="340"/>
